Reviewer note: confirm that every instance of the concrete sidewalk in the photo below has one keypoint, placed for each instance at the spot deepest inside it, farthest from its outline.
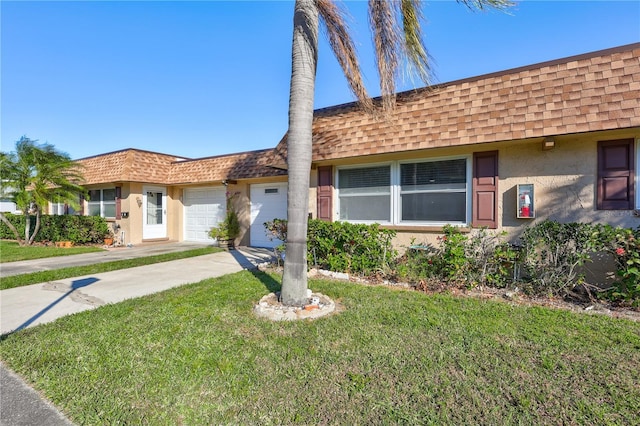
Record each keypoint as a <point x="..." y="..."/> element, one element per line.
<point x="108" y="255"/>
<point x="27" y="306"/>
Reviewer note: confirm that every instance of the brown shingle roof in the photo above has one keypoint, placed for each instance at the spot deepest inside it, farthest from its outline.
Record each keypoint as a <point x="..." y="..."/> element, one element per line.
<point x="133" y="165"/>
<point x="129" y="165"/>
<point x="591" y="92"/>
<point x="244" y="165"/>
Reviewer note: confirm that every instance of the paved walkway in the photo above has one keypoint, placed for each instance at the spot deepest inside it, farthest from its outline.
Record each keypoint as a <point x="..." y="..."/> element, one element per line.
<point x="27" y="306"/>
<point x="109" y="255"/>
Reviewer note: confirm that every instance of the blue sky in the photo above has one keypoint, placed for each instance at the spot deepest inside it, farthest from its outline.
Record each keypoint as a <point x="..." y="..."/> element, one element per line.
<point x="205" y="78"/>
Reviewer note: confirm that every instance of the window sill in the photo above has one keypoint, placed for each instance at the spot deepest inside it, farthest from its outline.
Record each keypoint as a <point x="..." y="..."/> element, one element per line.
<point x="423" y="229"/>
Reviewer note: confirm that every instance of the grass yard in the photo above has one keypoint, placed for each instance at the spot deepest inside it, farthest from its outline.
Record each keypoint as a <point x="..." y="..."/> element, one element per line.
<point x="11" y="251"/>
<point x="196" y="355"/>
<point x="96" y="268"/>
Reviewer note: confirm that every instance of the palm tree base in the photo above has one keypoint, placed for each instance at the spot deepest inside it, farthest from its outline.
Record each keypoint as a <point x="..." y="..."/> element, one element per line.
<point x="271" y="308"/>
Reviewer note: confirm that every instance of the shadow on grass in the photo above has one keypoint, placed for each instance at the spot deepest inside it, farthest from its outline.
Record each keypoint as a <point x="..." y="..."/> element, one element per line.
<point x="267" y="280"/>
<point x="249" y="260"/>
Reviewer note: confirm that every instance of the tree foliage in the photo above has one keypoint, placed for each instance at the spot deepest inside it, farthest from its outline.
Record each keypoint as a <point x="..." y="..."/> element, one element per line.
<point x="35" y="175"/>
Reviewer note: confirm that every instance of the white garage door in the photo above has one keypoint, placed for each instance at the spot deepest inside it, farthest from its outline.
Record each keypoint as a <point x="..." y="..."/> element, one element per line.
<point x="268" y="202"/>
<point x="204" y="208"/>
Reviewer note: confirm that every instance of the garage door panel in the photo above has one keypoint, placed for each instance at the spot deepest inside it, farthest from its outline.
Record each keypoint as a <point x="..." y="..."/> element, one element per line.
<point x="204" y="208"/>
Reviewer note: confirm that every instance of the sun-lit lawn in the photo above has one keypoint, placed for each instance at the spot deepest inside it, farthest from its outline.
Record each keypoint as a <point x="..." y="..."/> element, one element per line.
<point x="11" y="251"/>
<point x="196" y="355"/>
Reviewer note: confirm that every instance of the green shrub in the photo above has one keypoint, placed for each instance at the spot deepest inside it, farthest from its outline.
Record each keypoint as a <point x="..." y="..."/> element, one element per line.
<point x="78" y="229"/>
<point x="479" y="258"/>
<point x="624" y="245"/>
<point x="344" y="247"/>
<point x="354" y="248"/>
<point x="554" y="254"/>
<point x="417" y="263"/>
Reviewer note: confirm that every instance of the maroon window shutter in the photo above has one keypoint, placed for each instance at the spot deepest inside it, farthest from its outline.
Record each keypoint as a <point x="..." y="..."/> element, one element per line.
<point x="485" y="189"/>
<point x="118" y="202"/>
<point x="325" y="193"/>
<point x="615" y="175"/>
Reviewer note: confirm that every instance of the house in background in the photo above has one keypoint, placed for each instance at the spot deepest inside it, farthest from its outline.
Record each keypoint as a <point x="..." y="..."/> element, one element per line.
<point x="556" y="140"/>
<point x="150" y="196"/>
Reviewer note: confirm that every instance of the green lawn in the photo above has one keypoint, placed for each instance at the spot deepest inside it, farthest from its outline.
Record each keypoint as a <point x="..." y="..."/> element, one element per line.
<point x="10" y="251"/>
<point x="96" y="268"/>
<point x="196" y="355"/>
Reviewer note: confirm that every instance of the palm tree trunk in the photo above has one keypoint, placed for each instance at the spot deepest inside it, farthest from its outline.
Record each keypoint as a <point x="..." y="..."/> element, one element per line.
<point x="27" y="227"/>
<point x="36" y="228"/>
<point x="304" y="58"/>
<point x="12" y="228"/>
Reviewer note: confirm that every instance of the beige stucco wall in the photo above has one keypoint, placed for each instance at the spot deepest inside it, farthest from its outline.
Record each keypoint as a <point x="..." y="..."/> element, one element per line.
<point x="564" y="181"/>
<point x="133" y="224"/>
<point x="313" y="193"/>
<point x="174" y="213"/>
<point x="242" y="206"/>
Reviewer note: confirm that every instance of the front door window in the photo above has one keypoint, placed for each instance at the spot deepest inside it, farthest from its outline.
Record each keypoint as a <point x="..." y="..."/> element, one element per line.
<point x="154" y="208"/>
<point x="154" y="213"/>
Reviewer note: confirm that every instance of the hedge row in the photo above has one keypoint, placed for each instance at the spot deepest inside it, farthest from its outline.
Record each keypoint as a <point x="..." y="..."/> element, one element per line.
<point x="78" y="229"/>
<point x="548" y="260"/>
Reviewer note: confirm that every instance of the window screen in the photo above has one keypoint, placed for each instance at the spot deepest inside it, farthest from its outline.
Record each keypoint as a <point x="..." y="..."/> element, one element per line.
<point x="434" y="191"/>
<point x="365" y="194"/>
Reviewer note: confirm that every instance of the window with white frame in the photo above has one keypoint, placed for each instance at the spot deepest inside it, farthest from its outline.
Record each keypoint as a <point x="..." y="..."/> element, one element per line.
<point x="102" y="202"/>
<point x="403" y="192"/>
<point x="365" y="194"/>
<point x="58" y="209"/>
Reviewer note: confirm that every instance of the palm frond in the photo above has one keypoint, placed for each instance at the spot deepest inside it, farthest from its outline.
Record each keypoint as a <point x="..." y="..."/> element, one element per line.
<point x="337" y="32"/>
<point x="483" y="4"/>
<point x="386" y="42"/>
<point x="418" y="59"/>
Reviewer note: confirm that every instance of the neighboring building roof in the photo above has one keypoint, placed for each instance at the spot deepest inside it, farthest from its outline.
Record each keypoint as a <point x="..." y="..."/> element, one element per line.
<point x="134" y="165"/>
<point x="244" y="165"/>
<point x="585" y="93"/>
<point x="128" y="165"/>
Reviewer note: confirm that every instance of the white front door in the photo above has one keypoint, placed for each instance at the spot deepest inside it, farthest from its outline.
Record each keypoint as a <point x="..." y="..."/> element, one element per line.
<point x="154" y="212"/>
<point x="268" y="202"/>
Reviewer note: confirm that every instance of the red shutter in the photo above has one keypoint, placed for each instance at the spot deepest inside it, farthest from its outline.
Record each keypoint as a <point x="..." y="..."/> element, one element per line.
<point x="485" y="189"/>
<point x="615" y="175"/>
<point x="325" y="193"/>
<point x="118" y="202"/>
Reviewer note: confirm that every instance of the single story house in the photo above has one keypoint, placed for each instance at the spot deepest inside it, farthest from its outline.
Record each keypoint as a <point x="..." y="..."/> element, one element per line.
<point x="557" y="140"/>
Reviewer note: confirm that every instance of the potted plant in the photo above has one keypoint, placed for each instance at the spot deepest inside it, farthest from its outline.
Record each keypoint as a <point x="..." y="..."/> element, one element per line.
<point x="109" y="238"/>
<point x="227" y="231"/>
